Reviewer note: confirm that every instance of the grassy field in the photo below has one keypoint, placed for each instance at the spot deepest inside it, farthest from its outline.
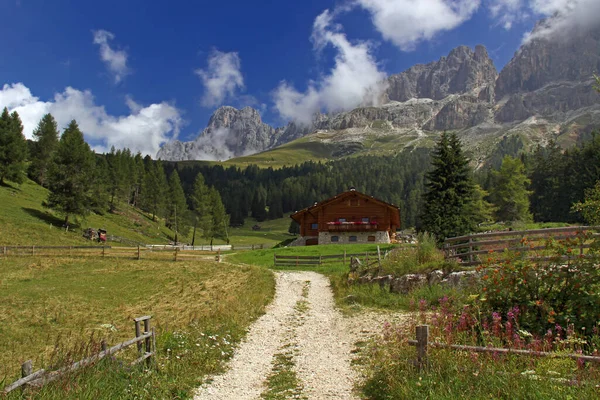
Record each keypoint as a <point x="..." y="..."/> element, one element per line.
<point x="52" y="309"/>
<point x="25" y="221"/>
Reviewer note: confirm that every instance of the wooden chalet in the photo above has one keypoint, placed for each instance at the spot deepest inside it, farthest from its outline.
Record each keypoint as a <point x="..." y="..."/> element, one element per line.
<point x="349" y="217"/>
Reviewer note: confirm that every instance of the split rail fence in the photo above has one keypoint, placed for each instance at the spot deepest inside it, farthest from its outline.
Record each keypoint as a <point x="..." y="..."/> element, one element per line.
<point x="291" y="261"/>
<point x="146" y="349"/>
<point x="137" y="253"/>
<point x="423" y="344"/>
<point x="468" y="249"/>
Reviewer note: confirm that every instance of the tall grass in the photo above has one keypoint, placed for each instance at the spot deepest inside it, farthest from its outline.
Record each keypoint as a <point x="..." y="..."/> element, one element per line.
<point x="57" y="311"/>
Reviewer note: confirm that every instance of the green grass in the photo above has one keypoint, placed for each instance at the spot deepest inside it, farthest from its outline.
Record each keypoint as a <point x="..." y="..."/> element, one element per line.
<point x="295" y="152"/>
<point x="24" y="221"/>
<point x="51" y="310"/>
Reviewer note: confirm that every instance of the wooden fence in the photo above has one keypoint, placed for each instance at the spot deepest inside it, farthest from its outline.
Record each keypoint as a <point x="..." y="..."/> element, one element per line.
<point x="137" y="253"/>
<point x="290" y="261"/>
<point x="468" y="249"/>
<point x="146" y="348"/>
<point x="422" y="344"/>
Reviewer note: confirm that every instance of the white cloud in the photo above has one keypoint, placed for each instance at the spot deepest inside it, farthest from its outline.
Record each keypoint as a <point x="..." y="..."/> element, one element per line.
<point x="355" y="78"/>
<point x="567" y="17"/>
<point x="115" y="60"/>
<point x="144" y="129"/>
<point x="506" y="12"/>
<point x="222" y="78"/>
<point x="406" y="23"/>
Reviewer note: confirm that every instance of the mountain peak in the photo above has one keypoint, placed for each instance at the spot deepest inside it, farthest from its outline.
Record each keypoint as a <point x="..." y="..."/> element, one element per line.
<point x="462" y="71"/>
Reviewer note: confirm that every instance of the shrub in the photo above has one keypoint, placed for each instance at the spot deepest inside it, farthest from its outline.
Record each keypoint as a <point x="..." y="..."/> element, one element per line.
<point x="562" y="292"/>
<point x="424" y="257"/>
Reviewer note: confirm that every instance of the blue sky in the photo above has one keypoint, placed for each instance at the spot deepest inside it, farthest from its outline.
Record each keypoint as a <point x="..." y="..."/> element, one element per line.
<point x="137" y="73"/>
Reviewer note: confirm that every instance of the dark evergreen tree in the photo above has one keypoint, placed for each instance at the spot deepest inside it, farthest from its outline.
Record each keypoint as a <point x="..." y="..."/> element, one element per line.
<point x="13" y="148"/>
<point x="200" y="200"/>
<point x="509" y="191"/>
<point x="259" y="204"/>
<point x="294" y="228"/>
<point x="46" y="135"/>
<point x="449" y="191"/>
<point x="71" y="174"/>
<point x="155" y="185"/>
<point x="177" y="211"/>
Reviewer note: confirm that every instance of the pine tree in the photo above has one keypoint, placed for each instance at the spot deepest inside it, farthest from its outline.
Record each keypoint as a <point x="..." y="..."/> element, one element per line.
<point x="47" y="136"/>
<point x="71" y="174"/>
<point x="200" y="205"/>
<point x="176" y="217"/>
<point x="219" y="218"/>
<point x="155" y="185"/>
<point x="509" y="191"/>
<point x="449" y="191"/>
<point x="294" y="228"/>
<point x="13" y="148"/>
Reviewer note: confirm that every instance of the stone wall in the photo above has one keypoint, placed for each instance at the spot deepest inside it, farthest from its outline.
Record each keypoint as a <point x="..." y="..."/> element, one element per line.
<point x="361" y="237"/>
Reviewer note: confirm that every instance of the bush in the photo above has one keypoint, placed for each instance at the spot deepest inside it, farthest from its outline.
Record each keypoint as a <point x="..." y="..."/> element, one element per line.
<point x="562" y="292"/>
<point x="424" y="257"/>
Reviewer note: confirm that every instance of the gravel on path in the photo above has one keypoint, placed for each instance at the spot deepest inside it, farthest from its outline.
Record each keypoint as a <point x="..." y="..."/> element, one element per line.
<point x="323" y="341"/>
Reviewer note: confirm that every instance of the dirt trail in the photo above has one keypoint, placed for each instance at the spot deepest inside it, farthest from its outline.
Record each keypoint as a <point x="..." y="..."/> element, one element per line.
<point x="302" y="317"/>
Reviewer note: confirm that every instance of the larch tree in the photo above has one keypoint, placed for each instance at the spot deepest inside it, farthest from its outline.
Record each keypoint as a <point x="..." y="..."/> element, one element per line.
<point x="155" y="186"/>
<point x="200" y="200"/>
<point x="176" y="207"/>
<point x="71" y="174"/>
<point x="13" y="148"/>
<point x="509" y="191"/>
<point x="447" y="208"/>
<point x="46" y="135"/>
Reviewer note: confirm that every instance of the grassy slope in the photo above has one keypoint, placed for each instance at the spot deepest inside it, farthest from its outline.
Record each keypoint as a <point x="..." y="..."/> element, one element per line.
<point x="24" y="221"/>
<point x="44" y="302"/>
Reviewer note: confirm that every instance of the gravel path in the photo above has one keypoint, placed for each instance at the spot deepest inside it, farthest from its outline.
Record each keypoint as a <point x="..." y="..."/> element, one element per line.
<point x="322" y="340"/>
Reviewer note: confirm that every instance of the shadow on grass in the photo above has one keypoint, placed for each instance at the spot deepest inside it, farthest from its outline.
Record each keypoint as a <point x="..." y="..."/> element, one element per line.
<point x="45" y="216"/>
<point x="10" y="186"/>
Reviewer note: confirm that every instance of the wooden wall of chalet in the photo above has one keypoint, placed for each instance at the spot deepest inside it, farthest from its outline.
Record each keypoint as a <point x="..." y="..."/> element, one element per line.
<point x="354" y="209"/>
<point x="306" y="226"/>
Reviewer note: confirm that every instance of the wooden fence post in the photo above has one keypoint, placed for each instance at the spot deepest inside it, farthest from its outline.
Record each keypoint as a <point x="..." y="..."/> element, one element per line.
<point x="33" y="250"/>
<point x="320" y="260"/>
<point x="261" y="246"/>
<point x="102" y="251"/>
<point x="344" y="256"/>
<point x="252" y="247"/>
<point x="138" y="254"/>
<point x="422" y="339"/>
<point x="367" y="258"/>
<point x="138" y="334"/>
<point x="5" y="251"/>
<point x="470" y="250"/>
<point x="379" y="261"/>
<point x="103" y="345"/>
<point x="26" y="370"/>
<point x="175" y="259"/>
<point x="148" y="340"/>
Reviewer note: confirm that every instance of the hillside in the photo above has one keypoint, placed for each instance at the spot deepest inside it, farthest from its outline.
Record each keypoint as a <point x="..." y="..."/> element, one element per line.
<point x="25" y="221"/>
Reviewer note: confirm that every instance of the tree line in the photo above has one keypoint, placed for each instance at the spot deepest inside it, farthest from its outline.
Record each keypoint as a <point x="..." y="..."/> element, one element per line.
<point x="435" y="190"/>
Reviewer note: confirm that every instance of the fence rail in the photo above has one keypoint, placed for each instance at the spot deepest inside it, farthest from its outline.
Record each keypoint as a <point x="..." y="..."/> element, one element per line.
<point x="146" y="347"/>
<point x="466" y="249"/>
<point x="422" y="344"/>
<point x="288" y="261"/>
<point x="137" y="253"/>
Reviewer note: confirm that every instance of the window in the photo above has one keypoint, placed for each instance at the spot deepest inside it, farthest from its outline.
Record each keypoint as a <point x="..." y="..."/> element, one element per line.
<point x="335" y="238"/>
<point x="352" y="239"/>
<point x="314" y="226"/>
<point x="365" y="220"/>
<point x="354" y="202"/>
<point x="371" y="238"/>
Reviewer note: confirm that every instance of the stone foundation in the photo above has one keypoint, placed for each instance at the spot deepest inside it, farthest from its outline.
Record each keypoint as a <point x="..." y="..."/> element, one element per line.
<point x="361" y="237"/>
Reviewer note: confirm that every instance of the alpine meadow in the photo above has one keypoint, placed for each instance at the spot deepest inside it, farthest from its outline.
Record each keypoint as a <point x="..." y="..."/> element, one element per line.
<point x="355" y="199"/>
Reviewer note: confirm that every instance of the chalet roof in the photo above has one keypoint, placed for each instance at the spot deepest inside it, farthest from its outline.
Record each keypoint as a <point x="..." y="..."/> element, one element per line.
<point x="341" y="196"/>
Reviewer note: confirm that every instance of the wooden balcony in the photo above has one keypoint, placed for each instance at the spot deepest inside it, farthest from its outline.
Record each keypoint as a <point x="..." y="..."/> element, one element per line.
<point x="352" y="227"/>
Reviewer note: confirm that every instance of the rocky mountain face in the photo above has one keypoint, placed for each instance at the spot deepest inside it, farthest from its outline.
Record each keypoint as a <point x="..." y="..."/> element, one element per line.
<point x="544" y="92"/>
<point x="230" y="133"/>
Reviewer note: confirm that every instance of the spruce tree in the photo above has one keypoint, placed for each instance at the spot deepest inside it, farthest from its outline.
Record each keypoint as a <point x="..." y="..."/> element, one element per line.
<point x="509" y="191"/>
<point x="259" y="204"/>
<point x="449" y="191"/>
<point x="176" y="208"/>
<point x="155" y="186"/>
<point x="200" y="206"/>
<point x="219" y="219"/>
<point x="13" y="148"/>
<point x="71" y="174"/>
<point x="47" y="136"/>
